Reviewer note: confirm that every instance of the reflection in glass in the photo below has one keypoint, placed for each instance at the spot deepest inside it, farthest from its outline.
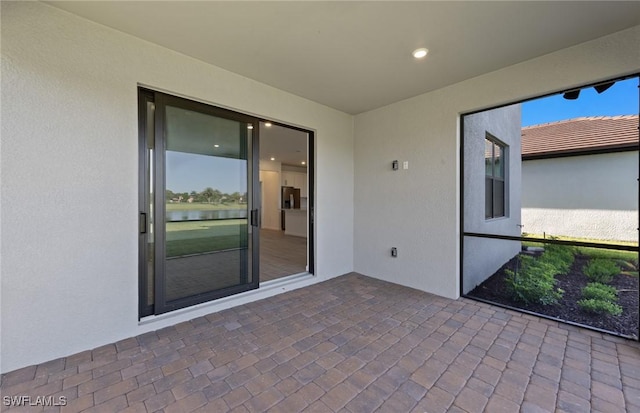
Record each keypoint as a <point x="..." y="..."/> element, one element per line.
<point x="488" y="157"/>
<point x="207" y="203"/>
<point x="498" y="155"/>
<point x="149" y="182"/>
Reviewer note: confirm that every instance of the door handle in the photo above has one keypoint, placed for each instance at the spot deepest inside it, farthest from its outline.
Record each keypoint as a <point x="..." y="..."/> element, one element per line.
<point x="254" y="217"/>
<point x="142" y="223"/>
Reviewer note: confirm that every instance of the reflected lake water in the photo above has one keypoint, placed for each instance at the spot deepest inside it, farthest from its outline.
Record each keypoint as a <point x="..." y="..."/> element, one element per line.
<point x="197" y="215"/>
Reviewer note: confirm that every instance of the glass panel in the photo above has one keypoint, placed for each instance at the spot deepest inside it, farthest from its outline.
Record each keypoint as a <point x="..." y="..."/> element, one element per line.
<point x="488" y="197"/>
<point x="207" y="203"/>
<point x="488" y="157"/>
<point x="498" y="198"/>
<point x="498" y="152"/>
<point x="150" y="135"/>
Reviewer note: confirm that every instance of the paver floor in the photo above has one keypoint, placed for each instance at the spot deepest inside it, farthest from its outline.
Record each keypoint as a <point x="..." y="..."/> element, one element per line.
<point x="351" y="344"/>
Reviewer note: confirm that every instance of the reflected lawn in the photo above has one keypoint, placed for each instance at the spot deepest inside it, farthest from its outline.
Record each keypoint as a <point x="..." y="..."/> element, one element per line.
<point x="197" y="237"/>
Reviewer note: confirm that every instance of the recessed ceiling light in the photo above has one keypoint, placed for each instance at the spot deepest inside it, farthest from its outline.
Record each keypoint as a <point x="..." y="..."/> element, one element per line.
<point x="249" y="126"/>
<point x="216" y="146"/>
<point x="267" y="124"/>
<point x="273" y="159"/>
<point x="304" y="163"/>
<point x="420" y="53"/>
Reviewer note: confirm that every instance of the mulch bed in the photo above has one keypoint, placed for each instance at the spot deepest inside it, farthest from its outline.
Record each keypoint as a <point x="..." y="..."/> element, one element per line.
<point x="494" y="289"/>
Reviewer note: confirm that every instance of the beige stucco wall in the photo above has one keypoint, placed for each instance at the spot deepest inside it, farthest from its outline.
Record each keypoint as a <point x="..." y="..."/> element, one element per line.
<point x="69" y="172"/>
<point x="482" y="257"/>
<point x="593" y="196"/>
<point x="69" y="177"/>
<point x="418" y="210"/>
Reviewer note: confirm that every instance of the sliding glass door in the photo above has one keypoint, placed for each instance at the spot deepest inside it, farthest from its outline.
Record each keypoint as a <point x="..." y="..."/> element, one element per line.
<point x="199" y="237"/>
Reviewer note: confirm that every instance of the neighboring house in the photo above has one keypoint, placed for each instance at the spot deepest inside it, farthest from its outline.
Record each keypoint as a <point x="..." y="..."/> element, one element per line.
<point x="579" y="178"/>
<point x="491" y="190"/>
<point x="70" y="168"/>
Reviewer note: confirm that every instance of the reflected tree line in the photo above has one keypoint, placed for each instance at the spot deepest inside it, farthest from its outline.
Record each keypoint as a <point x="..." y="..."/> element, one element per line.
<point x="208" y="196"/>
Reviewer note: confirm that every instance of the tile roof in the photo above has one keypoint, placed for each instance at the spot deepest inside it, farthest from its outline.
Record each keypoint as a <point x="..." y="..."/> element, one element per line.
<point x="579" y="135"/>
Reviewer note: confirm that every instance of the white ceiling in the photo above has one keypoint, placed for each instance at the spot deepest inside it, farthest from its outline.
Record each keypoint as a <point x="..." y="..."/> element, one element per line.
<point x="356" y="56"/>
<point x="288" y="146"/>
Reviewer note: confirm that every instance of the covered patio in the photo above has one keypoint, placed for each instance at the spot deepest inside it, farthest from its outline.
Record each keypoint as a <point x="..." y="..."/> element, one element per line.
<point x="352" y="344"/>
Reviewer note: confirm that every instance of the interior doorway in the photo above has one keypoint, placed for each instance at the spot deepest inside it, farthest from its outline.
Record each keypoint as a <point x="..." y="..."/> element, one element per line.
<point x="286" y="198"/>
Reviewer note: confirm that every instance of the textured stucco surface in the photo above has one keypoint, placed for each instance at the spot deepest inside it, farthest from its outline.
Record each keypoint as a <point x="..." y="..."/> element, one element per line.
<point x="70" y="169"/>
<point x="417" y="210"/>
<point x="481" y="257"/>
<point x="594" y="196"/>
<point x="69" y="172"/>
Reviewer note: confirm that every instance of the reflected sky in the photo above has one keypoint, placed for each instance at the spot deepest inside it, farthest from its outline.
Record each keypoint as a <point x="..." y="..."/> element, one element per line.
<point x="188" y="172"/>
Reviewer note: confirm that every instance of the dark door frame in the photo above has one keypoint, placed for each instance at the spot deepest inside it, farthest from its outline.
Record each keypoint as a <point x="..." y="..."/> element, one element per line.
<point x="160" y="305"/>
<point x="311" y="162"/>
<point x="145" y="96"/>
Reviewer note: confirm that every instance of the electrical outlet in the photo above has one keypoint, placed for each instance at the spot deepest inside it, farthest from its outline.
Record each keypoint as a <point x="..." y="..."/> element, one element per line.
<point x="405" y="165"/>
<point x="394" y="252"/>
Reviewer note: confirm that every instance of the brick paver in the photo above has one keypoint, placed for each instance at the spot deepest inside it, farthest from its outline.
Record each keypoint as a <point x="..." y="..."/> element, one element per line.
<point x="351" y="344"/>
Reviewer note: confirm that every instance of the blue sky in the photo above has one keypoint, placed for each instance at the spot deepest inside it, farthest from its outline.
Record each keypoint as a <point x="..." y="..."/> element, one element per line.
<point x="619" y="99"/>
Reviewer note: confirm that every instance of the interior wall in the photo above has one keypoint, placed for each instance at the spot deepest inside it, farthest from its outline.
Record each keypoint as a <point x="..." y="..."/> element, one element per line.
<point x="270" y="180"/>
<point x="70" y="169"/>
<point x="417" y="210"/>
<point x="294" y="168"/>
<point x="270" y="199"/>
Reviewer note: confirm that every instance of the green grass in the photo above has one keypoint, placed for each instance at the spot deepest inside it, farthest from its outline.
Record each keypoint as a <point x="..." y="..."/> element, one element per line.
<point x="594" y="253"/>
<point x="187" y="238"/>
<point x="566" y="238"/>
<point x="591" y="252"/>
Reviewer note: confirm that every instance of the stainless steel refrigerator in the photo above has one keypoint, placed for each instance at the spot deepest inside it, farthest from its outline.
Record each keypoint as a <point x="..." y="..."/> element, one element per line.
<point x="289" y="199"/>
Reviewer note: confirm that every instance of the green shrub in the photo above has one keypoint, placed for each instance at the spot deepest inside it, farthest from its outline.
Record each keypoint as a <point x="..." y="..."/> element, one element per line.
<point x="601" y="270"/>
<point x="560" y="256"/>
<point x="598" y="291"/>
<point x="534" y="289"/>
<point x="600" y="306"/>
<point x="534" y="282"/>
